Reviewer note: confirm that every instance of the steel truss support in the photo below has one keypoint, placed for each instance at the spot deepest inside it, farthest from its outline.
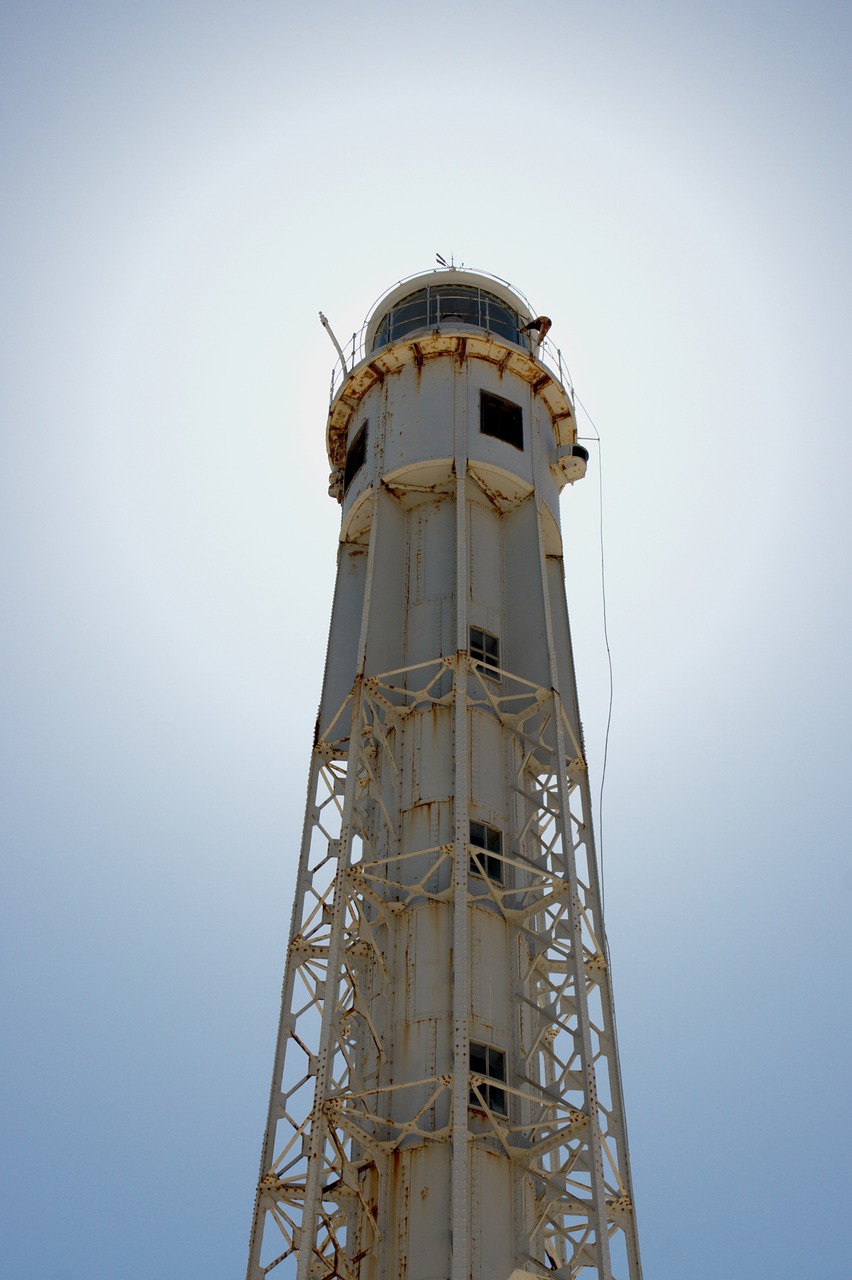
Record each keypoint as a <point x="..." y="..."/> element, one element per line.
<point x="338" y="1116"/>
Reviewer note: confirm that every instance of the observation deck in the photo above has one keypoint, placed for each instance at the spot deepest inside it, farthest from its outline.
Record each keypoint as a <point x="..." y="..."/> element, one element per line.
<point x="453" y="313"/>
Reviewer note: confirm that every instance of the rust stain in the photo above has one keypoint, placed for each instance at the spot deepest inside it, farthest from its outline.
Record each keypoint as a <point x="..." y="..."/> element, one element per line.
<point x="435" y="347"/>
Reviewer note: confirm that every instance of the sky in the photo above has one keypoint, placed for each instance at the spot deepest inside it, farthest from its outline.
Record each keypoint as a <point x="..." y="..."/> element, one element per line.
<point x="185" y="187"/>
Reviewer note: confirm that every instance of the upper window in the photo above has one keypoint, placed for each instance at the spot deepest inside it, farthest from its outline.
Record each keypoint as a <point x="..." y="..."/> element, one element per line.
<point x="501" y="418"/>
<point x="488" y="843"/>
<point x="355" y="456"/>
<point x="490" y="1063"/>
<point x="484" y="647"/>
<point x="451" y="304"/>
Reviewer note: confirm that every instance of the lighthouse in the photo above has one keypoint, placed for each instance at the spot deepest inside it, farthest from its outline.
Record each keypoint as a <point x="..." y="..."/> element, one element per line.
<point x="446" y="1100"/>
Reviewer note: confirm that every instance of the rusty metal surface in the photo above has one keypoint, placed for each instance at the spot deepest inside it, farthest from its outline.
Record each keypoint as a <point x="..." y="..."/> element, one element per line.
<point x="377" y="1087"/>
<point x="447" y="343"/>
<point x="386" y="1155"/>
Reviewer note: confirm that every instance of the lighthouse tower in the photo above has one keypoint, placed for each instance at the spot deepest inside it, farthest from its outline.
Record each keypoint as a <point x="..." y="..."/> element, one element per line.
<point x="446" y="1101"/>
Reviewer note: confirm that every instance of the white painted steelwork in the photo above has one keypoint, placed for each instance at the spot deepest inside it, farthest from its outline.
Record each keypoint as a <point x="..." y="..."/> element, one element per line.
<point x="446" y="1101"/>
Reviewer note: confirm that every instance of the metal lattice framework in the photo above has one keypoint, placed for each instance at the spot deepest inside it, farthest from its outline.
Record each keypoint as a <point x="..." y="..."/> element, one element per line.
<point x="337" y="1115"/>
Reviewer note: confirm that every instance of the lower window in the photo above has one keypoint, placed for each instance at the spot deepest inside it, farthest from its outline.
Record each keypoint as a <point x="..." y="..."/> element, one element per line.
<point x="488" y="842"/>
<point x="484" y="648"/>
<point x="490" y="1063"/>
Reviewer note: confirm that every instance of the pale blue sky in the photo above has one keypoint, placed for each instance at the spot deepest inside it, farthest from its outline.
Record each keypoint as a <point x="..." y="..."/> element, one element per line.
<point x="185" y="186"/>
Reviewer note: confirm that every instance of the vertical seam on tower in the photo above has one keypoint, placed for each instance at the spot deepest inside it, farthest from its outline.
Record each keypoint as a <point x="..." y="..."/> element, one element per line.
<point x="461" y="958"/>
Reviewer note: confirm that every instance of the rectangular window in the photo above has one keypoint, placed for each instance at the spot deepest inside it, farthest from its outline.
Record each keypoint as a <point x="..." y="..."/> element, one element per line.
<point x="490" y="841"/>
<point x="490" y="1063"/>
<point x="502" y="419"/>
<point x="355" y="455"/>
<point x="484" y="647"/>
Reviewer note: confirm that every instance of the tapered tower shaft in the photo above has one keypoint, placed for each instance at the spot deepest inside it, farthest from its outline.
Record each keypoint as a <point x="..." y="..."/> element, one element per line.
<point x="446" y="1101"/>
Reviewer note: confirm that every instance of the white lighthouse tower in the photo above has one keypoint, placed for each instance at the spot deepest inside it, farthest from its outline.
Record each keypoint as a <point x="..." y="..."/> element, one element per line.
<point x="446" y="1101"/>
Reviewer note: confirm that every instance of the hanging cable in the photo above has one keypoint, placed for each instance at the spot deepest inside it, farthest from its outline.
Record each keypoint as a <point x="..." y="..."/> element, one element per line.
<point x="597" y="438"/>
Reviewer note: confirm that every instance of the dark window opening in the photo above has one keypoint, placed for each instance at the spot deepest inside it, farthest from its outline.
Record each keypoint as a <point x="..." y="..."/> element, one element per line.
<point x="490" y="1063"/>
<point x="355" y="456"/>
<point x="501" y="419"/>
<point x="488" y="841"/>
<point x="484" y="647"/>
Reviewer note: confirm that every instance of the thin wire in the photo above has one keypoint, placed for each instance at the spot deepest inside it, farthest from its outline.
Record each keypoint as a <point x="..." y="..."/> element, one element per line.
<point x="597" y="437"/>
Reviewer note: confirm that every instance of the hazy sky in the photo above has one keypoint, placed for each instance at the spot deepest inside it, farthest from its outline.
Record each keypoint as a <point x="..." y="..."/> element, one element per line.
<point x="185" y="186"/>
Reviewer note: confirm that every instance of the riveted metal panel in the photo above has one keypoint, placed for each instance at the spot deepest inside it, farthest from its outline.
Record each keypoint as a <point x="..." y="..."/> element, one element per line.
<point x="526" y="618"/>
<point x="487" y="746"/>
<point x="432" y="967"/>
<point x="345" y="627"/>
<point x="439" y="550"/>
<point x="563" y="647"/>
<point x="423" y="415"/>
<point x="486" y="564"/>
<point x="429" y="1243"/>
<point x="386" y="622"/>
<point x="494" y="1230"/>
<point x="433" y="752"/>
<point x="492" y="1007"/>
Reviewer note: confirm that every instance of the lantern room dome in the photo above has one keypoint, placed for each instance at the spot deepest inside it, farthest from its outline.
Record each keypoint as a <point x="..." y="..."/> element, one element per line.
<point x="449" y="299"/>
